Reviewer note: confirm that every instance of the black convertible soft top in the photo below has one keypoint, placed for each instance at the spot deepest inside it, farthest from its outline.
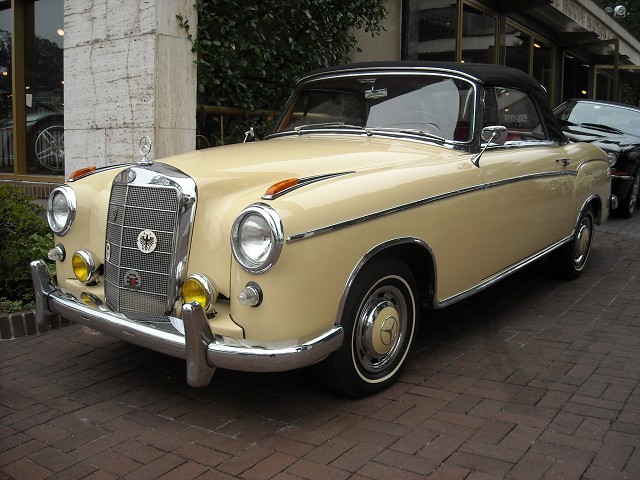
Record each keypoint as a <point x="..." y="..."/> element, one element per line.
<point x="483" y="73"/>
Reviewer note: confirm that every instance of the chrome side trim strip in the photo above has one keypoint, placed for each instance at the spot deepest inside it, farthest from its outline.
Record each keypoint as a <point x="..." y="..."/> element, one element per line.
<point x="500" y="275"/>
<point x="381" y="213"/>
<point x="418" y="203"/>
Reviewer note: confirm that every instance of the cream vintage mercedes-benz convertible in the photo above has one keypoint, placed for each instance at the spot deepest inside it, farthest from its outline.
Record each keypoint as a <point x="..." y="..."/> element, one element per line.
<point x="384" y="190"/>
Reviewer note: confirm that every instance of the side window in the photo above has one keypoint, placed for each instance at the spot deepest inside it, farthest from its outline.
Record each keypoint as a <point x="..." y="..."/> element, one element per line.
<point x="517" y="112"/>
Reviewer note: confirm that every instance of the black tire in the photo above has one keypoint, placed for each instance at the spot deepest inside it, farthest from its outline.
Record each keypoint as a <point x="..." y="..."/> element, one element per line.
<point x="379" y="320"/>
<point x="569" y="261"/>
<point x="626" y="208"/>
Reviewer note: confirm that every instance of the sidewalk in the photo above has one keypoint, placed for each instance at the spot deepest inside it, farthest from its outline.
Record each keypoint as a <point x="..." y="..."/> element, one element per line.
<point x="533" y="379"/>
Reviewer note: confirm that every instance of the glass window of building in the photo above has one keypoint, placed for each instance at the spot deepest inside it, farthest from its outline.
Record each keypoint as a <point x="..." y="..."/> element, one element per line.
<point x="32" y="118"/>
<point x="6" y="124"/>
<point x="437" y="26"/>
<point x="517" y="48"/>
<point x="479" y="31"/>
<point x="543" y="64"/>
<point x="576" y="77"/>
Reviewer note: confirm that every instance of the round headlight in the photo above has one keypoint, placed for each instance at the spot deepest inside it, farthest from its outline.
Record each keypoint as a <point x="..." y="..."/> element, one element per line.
<point x="613" y="158"/>
<point x="256" y="238"/>
<point x="61" y="209"/>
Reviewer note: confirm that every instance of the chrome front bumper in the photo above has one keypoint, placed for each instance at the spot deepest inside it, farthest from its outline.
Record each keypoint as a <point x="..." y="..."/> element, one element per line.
<point x="202" y="350"/>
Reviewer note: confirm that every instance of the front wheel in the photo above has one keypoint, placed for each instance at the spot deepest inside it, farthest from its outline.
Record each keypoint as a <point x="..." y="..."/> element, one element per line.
<point x="379" y="320"/>
<point x="627" y="207"/>
<point x="569" y="261"/>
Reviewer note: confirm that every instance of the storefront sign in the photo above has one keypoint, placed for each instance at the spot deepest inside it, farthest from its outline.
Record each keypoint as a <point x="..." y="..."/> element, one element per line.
<point x="584" y="18"/>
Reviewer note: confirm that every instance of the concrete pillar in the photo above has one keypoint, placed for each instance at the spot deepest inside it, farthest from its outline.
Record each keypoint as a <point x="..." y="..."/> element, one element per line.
<point x="128" y="72"/>
<point x="387" y="45"/>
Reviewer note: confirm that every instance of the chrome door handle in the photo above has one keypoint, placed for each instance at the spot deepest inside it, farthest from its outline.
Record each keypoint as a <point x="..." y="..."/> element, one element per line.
<point x="564" y="161"/>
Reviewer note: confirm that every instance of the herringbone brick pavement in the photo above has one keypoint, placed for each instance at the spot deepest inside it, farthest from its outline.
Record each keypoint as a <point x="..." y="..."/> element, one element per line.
<point x="532" y="379"/>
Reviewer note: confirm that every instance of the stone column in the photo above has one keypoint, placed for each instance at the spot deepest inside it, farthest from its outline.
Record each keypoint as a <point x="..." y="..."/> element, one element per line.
<point x="128" y="72"/>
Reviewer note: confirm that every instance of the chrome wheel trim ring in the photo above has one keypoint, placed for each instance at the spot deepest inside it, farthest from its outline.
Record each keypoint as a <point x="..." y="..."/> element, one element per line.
<point x="380" y="329"/>
<point x="633" y="194"/>
<point x="583" y="242"/>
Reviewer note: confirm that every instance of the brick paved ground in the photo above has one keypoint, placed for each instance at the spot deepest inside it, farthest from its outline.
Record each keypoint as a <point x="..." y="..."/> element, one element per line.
<point x="533" y="379"/>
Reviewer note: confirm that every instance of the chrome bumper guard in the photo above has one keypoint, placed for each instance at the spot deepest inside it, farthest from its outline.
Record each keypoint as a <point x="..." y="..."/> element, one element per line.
<point x="199" y="347"/>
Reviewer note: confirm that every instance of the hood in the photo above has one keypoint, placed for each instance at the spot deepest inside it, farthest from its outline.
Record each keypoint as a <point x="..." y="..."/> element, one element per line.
<point x="601" y="137"/>
<point x="258" y="165"/>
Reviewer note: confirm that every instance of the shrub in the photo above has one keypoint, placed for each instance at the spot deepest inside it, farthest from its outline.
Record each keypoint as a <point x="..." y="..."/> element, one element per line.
<point x="24" y="236"/>
<point x="249" y="54"/>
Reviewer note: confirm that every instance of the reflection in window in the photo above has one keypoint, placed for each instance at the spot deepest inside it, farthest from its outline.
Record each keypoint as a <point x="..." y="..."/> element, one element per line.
<point x="431" y="104"/>
<point x="478" y="36"/>
<point x="516" y="111"/>
<point x="6" y="123"/>
<point x="542" y="64"/>
<point x="604" y="84"/>
<point x="517" y="46"/>
<point x="437" y="31"/>
<point x="44" y="87"/>
<point x="576" y="77"/>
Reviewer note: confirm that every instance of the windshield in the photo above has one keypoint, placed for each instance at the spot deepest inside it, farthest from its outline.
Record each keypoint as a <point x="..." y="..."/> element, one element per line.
<point x="429" y="104"/>
<point x="593" y="114"/>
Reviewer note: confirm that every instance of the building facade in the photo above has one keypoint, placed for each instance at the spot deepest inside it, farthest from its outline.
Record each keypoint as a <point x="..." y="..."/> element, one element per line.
<point x="82" y="81"/>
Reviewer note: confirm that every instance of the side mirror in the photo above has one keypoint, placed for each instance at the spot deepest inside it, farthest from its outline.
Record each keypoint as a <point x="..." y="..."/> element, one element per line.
<point x="249" y="135"/>
<point x="496" y="134"/>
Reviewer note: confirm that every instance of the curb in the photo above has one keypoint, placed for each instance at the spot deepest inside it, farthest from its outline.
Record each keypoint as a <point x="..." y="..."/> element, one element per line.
<point x="21" y="324"/>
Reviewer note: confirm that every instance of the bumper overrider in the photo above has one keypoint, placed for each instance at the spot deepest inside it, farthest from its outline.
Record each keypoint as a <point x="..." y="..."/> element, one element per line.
<point x="202" y="350"/>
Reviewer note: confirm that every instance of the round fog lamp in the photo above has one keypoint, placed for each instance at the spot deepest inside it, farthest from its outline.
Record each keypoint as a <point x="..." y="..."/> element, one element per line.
<point x="198" y="288"/>
<point x="84" y="266"/>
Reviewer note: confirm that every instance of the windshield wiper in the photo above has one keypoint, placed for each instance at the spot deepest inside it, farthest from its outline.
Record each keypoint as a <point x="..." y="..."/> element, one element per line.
<point x="414" y="131"/>
<point x="312" y="126"/>
<point x="599" y="126"/>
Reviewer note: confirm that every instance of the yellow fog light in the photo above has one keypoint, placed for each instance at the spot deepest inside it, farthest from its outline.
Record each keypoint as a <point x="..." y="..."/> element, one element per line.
<point x="198" y="288"/>
<point x="85" y="266"/>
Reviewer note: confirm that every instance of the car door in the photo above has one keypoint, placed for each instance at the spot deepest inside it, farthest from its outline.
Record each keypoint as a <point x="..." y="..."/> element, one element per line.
<point x="527" y="184"/>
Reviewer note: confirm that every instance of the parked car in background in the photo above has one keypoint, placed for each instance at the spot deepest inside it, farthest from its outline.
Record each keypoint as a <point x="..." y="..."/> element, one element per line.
<point x="614" y="127"/>
<point x="45" y="139"/>
<point x="384" y="189"/>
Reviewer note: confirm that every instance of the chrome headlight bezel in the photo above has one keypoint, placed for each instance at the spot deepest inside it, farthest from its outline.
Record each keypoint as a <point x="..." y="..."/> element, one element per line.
<point x="612" y="157"/>
<point x="267" y="225"/>
<point x="60" y="216"/>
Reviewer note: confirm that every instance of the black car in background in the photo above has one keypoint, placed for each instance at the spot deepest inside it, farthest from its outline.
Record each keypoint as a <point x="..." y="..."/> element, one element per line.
<point x="614" y="127"/>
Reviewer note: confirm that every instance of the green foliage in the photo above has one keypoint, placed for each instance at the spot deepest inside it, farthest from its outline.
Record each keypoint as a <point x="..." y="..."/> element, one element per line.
<point x="249" y="54"/>
<point x="11" y="306"/>
<point x="24" y="236"/>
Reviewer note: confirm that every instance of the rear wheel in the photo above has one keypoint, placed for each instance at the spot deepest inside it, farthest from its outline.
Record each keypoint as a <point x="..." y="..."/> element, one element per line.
<point x="569" y="260"/>
<point x="379" y="319"/>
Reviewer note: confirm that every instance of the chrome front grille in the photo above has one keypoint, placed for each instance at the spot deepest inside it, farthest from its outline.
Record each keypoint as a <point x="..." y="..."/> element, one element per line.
<point x="138" y="284"/>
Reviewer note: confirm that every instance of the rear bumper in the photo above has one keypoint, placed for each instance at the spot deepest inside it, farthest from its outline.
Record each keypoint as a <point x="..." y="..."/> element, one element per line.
<point x="202" y="349"/>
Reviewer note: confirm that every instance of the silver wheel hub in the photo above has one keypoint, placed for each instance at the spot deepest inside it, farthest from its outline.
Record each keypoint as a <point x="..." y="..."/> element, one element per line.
<point x="583" y="242"/>
<point x="380" y="329"/>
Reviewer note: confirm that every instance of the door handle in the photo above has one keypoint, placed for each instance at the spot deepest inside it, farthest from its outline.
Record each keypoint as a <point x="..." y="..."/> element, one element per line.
<point x="564" y="161"/>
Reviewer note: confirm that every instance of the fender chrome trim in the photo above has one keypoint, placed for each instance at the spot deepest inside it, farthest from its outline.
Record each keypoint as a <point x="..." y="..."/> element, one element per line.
<point x="424" y="201"/>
